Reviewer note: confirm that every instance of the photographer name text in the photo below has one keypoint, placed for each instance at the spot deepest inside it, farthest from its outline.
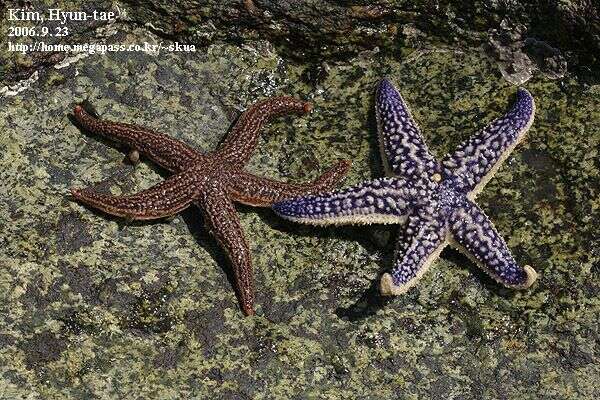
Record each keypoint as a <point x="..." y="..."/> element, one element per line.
<point x="60" y="15"/>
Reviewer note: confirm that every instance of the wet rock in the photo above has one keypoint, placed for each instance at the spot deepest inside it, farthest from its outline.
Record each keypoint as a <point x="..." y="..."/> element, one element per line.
<point x="520" y="56"/>
<point x="548" y="59"/>
<point x="323" y="30"/>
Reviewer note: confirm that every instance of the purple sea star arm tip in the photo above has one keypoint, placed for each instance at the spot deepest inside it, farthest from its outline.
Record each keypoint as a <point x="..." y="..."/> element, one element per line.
<point x="476" y="160"/>
<point x="475" y="235"/>
<point x="402" y="148"/>
<point x="419" y="245"/>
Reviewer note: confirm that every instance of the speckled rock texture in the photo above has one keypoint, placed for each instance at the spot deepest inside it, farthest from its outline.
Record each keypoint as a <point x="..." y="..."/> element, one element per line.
<point x="97" y="307"/>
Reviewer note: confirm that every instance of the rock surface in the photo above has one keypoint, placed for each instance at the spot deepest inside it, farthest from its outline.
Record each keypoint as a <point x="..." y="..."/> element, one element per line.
<point x="320" y="28"/>
<point x="551" y="34"/>
<point x="94" y="307"/>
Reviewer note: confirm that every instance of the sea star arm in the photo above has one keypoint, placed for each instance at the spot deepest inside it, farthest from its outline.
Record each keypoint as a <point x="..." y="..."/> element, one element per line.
<point x="476" y="159"/>
<point x="403" y="150"/>
<point x="474" y="234"/>
<point x="262" y="192"/>
<point x="419" y="245"/>
<point x="381" y="201"/>
<point x="223" y="222"/>
<point x="162" y="200"/>
<point x="243" y="138"/>
<point x="165" y="151"/>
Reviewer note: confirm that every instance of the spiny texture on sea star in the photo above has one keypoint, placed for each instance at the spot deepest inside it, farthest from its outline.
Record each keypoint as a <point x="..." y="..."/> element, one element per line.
<point x="212" y="181"/>
<point x="433" y="200"/>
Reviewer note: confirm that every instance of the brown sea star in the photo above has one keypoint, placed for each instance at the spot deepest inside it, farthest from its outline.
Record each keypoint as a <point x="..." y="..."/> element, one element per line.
<point x="212" y="181"/>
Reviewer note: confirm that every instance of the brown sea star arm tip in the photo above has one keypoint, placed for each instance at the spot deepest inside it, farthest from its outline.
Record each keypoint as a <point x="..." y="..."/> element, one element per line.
<point x="82" y="116"/>
<point x="332" y="176"/>
<point x="263" y="192"/>
<point x="223" y="222"/>
<point x="162" y="200"/>
<point x="171" y="154"/>
<point x="243" y="138"/>
<point x="280" y="105"/>
<point x="248" y="310"/>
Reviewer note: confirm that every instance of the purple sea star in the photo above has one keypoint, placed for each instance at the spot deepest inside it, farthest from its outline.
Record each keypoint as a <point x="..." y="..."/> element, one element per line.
<point x="433" y="200"/>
